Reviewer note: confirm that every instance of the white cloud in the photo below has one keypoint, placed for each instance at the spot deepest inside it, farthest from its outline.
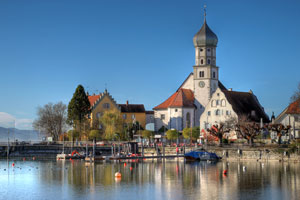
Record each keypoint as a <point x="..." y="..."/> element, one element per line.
<point x="9" y="121"/>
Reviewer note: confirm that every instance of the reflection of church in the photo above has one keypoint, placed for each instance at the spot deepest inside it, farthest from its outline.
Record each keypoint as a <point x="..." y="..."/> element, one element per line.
<point x="185" y="107"/>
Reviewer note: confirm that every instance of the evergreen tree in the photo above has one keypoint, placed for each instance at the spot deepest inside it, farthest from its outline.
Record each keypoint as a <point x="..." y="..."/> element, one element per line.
<point x="78" y="108"/>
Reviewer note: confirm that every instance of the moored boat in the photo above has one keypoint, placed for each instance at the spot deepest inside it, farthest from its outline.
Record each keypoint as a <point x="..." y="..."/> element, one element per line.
<point x="201" y="155"/>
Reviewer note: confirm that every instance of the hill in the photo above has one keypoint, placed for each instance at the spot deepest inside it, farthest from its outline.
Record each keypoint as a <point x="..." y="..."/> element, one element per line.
<point x="20" y="135"/>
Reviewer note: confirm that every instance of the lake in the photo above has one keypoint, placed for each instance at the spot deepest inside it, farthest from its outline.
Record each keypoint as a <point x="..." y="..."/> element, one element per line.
<point x="170" y="179"/>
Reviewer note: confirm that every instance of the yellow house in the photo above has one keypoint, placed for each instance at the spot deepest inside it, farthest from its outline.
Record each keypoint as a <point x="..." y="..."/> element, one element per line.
<point x="131" y="113"/>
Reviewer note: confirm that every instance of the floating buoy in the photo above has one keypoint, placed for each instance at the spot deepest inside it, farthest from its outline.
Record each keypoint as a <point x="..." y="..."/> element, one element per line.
<point x="130" y="168"/>
<point x="70" y="158"/>
<point x="13" y="164"/>
<point x="118" y="175"/>
<point x="33" y="158"/>
<point x="225" y="172"/>
<point x="125" y="164"/>
<point x="24" y="159"/>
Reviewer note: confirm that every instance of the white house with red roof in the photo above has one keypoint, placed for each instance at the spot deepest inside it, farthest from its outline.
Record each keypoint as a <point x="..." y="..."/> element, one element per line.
<point x="290" y="116"/>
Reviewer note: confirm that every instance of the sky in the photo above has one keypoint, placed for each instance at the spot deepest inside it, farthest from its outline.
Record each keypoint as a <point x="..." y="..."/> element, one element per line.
<point x="141" y="50"/>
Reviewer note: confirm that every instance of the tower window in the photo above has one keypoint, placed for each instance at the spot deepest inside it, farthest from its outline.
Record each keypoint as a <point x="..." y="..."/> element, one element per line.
<point x="201" y="49"/>
<point x="214" y="74"/>
<point x="201" y="74"/>
<point x="208" y="50"/>
<point x="208" y="61"/>
<point x="201" y="61"/>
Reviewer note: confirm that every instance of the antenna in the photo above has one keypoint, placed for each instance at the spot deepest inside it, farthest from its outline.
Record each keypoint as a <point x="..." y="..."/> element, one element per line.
<point x="204" y="9"/>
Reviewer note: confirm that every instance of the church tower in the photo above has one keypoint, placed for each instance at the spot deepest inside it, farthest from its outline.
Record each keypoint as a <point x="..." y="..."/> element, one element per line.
<point x="206" y="72"/>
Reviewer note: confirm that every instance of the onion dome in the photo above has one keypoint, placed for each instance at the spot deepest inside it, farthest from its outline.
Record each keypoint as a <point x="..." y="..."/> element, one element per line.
<point x="205" y="37"/>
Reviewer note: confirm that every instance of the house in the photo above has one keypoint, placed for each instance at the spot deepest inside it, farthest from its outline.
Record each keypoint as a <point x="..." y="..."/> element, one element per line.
<point x="290" y="116"/>
<point x="228" y="105"/>
<point x="131" y="113"/>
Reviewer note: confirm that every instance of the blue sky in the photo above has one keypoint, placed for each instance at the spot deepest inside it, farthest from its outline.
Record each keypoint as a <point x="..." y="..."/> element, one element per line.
<point x="142" y="50"/>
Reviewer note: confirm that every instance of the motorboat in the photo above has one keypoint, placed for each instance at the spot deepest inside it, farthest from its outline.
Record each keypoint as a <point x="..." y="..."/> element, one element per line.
<point x="201" y="155"/>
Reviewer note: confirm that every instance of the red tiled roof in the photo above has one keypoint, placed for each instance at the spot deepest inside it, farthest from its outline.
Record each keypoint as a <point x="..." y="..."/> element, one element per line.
<point x="294" y="108"/>
<point x="93" y="99"/>
<point x="181" y="98"/>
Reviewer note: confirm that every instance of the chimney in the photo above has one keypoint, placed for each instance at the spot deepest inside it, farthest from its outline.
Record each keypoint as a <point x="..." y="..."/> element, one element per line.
<point x="127" y="103"/>
<point x="229" y="89"/>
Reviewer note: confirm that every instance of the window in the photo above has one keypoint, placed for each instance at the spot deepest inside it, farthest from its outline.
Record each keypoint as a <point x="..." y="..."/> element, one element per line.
<point x="218" y="94"/>
<point x="218" y="102"/>
<point x="106" y="105"/>
<point x="227" y="112"/>
<point x="213" y="103"/>
<point x="208" y="61"/>
<point x="132" y="116"/>
<point x="162" y="116"/>
<point x="223" y="103"/>
<point x="201" y="61"/>
<point x="208" y="113"/>
<point x="124" y="116"/>
<point x="98" y="115"/>
<point x="188" y="119"/>
<point x="201" y="49"/>
<point x="208" y="50"/>
<point x="218" y="112"/>
<point x="201" y="74"/>
<point x="176" y="110"/>
<point x="214" y="74"/>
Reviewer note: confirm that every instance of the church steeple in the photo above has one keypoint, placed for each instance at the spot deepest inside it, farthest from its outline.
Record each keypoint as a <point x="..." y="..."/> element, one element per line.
<point x="205" y="42"/>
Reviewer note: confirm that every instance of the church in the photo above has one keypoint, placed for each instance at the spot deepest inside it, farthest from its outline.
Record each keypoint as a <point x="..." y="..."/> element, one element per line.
<point x="185" y="107"/>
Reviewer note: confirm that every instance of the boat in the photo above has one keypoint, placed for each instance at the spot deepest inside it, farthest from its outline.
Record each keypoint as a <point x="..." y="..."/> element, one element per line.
<point x="201" y="155"/>
<point x="74" y="155"/>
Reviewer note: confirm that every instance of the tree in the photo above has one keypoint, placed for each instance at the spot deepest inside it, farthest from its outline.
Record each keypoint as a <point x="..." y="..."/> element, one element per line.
<point x="94" y="134"/>
<point x="162" y="129"/>
<point x="279" y="129"/>
<point x="172" y="134"/>
<point x="78" y="108"/>
<point x="296" y="94"/>
<point x="195" y="132"/>
<point x="113" y="124"/>
<point x="248" y="131"/>
<point x="73" y="134"/>
<point x="147" y="134"/>
<point x="218" y="131"/>
<point x="51" y="119"/>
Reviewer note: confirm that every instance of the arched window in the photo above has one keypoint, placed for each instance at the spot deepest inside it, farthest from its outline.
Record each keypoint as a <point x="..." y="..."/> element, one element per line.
<point x="188" y="120"/>
<point x="217" y="112"/>
<point x="223" y="103"/>
<point x="213" y="103"/>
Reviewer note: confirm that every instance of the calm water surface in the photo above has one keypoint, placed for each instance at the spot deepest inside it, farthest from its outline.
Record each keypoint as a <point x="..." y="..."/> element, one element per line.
<point x="148" y="180"/>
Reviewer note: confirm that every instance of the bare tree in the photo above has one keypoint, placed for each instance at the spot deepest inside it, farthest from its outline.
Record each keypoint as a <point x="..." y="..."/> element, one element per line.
<point x="296" y="94"/>
<point x="51" y="119"/>
<point x="219" y="131"/>
<point x="279" y="129"/>
<point x="247" y="129"/>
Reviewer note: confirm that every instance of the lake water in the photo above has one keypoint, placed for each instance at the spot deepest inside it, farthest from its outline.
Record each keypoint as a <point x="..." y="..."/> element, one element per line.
<point x="148" y="180"/>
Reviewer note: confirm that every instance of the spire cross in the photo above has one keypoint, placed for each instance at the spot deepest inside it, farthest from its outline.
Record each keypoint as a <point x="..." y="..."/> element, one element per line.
<point x="204" y="11"/>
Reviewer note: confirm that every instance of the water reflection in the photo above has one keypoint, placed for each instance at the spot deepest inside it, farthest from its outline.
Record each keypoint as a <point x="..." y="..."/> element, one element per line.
<point x="173" y="179"/>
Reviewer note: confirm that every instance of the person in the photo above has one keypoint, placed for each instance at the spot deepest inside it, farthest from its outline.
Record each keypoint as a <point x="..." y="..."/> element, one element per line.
<point x="158" y="150"/>
<point x="177" y="150"/>
<point x="181" y="149"/>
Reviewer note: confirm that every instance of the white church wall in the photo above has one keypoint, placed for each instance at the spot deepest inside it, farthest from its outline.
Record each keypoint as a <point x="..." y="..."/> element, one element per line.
<point x="217" y="110"/>
<point x="189" y="83"/>
<point x="160" y="120"/>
